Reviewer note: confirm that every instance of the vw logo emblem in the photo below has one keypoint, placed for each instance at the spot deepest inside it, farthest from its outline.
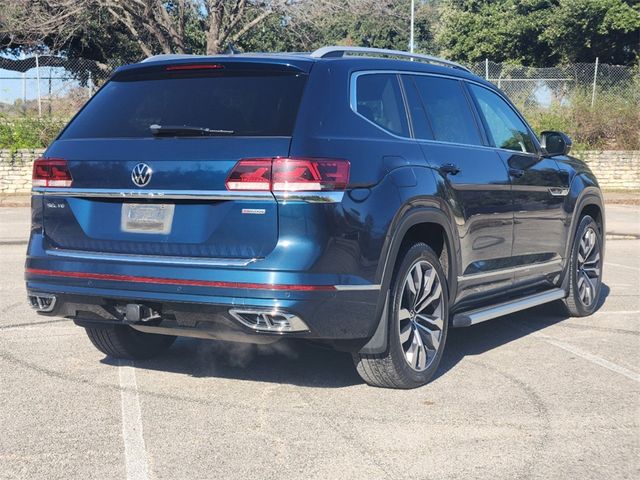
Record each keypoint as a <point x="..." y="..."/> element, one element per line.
<point x="141" y="174"/>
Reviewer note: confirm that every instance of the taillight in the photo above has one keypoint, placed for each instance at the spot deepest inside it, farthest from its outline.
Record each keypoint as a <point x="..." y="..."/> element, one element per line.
<point x="289" y="174"/>
<point x="252" y="174"/>
<point x="309" y="174"/>
<point x="51" y="172"/>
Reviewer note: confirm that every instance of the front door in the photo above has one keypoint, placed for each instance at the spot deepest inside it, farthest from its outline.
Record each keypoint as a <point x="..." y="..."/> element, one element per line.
<point x="539" y="188"/>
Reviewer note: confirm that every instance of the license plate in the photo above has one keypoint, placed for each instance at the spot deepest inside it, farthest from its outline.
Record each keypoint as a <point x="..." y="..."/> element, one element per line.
<point x="146" y="218"/>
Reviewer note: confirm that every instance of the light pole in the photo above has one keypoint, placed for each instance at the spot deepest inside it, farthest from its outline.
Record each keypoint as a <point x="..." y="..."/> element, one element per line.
<point x="412" y="22"/>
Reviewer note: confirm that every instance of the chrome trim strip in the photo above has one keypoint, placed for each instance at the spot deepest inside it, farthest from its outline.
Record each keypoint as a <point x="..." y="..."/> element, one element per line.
<point x="215" y="195"/>
<point x="354" y="288"/>
<point x="169" y="260"/>
<point x="559" y="191"/>
<point x="503" y="271"/>
<point x="153" y="194"/>
<point x="309" y="197"/>
<point x="482" y="314"/>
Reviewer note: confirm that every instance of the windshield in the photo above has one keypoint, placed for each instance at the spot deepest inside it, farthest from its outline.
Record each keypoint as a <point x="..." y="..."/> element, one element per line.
<point x="240" y="105"/>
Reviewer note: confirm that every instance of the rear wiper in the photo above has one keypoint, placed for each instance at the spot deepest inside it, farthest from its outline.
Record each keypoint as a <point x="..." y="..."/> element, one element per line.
<point x="185" y="130"/>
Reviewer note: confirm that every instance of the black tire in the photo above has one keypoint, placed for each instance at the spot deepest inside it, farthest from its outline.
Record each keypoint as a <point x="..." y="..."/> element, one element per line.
<point x="392" y="369"/>
<point x="575" y="304"/>
<point x="122" y="341"/>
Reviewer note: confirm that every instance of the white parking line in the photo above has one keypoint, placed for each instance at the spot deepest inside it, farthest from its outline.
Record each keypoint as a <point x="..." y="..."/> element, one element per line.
<point x="135" y="452"/>
<point x="615" y="312"/>
<point x="637" y="269"/>
<point x="591" y="358"/>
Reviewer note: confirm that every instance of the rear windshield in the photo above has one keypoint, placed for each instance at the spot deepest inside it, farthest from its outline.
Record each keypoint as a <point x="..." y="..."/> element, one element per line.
<point x="247" y="105"/>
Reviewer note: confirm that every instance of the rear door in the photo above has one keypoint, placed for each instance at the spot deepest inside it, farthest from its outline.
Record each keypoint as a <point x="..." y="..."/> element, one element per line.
<point x="476" y="181"/>
<point x="150" y="154"/>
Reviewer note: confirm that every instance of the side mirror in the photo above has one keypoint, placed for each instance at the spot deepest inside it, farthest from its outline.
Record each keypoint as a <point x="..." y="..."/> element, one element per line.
<point x="555" y="143"/>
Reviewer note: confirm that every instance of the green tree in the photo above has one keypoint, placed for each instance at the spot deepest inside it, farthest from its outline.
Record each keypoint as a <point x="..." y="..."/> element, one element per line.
<point x="580" y="30"/>
<point x="540" y="32"/>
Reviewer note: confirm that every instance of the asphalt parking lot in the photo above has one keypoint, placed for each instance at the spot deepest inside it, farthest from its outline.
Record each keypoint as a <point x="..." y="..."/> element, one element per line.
<point x="530" y="395"/>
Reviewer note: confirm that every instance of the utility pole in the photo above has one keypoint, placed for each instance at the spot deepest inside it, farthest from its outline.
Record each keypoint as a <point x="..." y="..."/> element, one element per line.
<point x="595" y="79"/>
<point x="38" y="86"/>
<point x="413" y="4"/>
<point x="24" y="91"/>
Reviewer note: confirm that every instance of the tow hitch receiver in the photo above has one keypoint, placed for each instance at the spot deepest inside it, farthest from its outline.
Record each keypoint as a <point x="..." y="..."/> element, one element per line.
<point x="135" y="313"/>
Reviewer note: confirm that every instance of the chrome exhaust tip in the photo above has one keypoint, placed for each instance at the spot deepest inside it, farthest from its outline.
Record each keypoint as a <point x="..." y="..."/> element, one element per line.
<point x="273" y="321"/>
<point x="42" y="302"/>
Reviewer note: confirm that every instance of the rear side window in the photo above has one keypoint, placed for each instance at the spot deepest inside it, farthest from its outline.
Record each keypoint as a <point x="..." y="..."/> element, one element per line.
<point x="421" y="127"/>
<point x="242" y="104"/>
<point x="505" y="127"/>
<point x="378" y="99"/>
<point x="448" y="110"/>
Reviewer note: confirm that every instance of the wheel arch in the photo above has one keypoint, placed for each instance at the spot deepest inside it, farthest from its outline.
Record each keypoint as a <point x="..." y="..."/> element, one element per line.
<point x="425" y="223"/>
<point x="585" y="199"/>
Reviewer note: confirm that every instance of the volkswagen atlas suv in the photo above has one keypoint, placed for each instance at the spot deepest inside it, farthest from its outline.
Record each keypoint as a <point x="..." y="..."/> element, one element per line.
<point x="361" y="198"/>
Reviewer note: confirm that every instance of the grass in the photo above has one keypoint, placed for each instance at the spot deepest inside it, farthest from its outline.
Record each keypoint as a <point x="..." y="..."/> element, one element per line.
<point x="613" y="123"/>
<point x="28" y="132"/>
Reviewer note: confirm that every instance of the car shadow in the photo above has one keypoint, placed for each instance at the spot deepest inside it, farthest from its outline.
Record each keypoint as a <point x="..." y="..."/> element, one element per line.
<point x="480" y="338"/>
<point x="297" y="362"/>
<point x="288" y="361"/>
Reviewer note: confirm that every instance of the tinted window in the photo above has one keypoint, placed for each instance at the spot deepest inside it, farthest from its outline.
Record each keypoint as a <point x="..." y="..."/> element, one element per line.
<point x="505" y="127"/>
<point x="448" y="110"/>
<point x="421" y="128"/>
<point x="379" y="100"/>
<point x="257" y="105"/>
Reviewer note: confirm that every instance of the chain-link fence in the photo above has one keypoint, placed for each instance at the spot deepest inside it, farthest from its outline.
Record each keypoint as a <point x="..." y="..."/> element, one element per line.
<point x="47" y="85"/>
<point x="543" y="87"/>
<point x="53" y="86"/>
<point x="597" y="104"/>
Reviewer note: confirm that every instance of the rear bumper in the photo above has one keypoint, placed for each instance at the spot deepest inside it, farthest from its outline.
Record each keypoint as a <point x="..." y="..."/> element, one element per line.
<point x="334" y="307"/>
<point x="341" y="316"/>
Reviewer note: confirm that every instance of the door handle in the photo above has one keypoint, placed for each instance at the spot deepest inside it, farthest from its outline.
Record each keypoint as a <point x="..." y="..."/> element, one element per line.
<point x="449" y="169"/>
<point x="516" y="172"/>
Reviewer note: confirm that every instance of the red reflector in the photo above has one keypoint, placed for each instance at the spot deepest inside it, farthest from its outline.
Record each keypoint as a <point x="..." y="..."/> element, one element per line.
<point x="51" y="172"/>
<point x="289" y="174"/>
<point x="196" y="66"/>
<point x="254" y="174"/>
<point x="178" y="281"/>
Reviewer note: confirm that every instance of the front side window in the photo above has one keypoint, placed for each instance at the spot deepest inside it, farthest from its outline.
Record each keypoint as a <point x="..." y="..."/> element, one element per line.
<point x="448" y="110"/>
<point x="378" y="99"/>
<point x="505" y="127"/>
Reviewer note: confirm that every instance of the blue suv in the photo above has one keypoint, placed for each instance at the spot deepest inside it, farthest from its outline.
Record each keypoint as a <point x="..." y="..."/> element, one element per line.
<point x="361" y="198"/>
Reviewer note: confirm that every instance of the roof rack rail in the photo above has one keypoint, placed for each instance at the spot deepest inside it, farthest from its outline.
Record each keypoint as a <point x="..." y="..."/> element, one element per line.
<point x="336" y="52"/>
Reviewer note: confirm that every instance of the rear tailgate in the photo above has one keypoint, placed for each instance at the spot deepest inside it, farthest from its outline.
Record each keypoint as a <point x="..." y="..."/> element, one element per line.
<point x="188" y="176"/>
<point x="136" y="193"/>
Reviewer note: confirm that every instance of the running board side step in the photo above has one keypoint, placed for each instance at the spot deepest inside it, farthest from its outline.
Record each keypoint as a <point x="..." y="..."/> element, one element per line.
<point x="466" y="319"/>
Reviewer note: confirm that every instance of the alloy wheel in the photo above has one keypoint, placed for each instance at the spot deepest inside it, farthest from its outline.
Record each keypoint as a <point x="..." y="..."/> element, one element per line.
<point x="420" y="317"/>
<point x="588" y="267"/>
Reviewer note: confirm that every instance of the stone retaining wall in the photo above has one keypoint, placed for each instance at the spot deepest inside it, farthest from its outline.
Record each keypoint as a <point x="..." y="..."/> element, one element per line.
<point x="15" y="170"/>
<point x="616" y="170"/>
